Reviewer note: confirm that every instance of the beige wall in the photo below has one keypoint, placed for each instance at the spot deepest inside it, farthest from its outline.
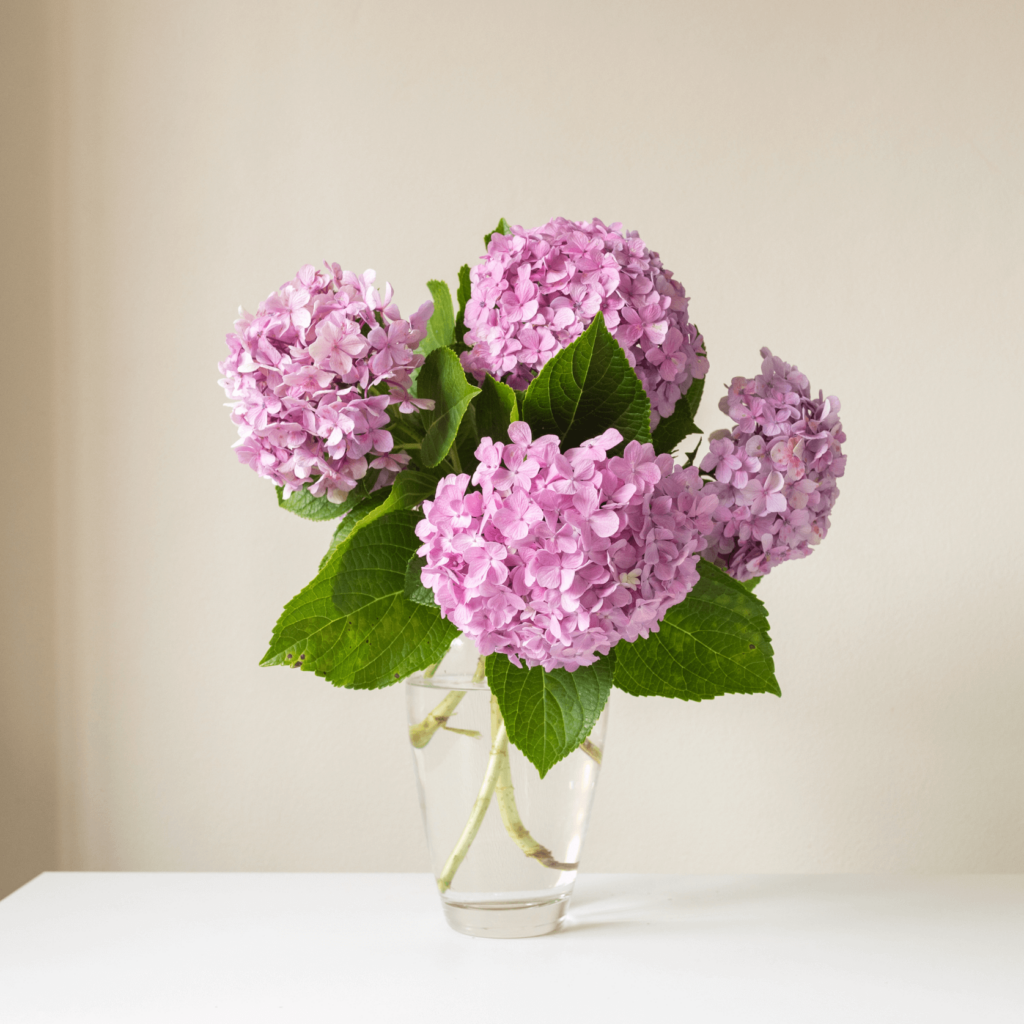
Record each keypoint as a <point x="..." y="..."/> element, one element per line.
<point x="841" y="182"/>
<point x="28" y="783"/>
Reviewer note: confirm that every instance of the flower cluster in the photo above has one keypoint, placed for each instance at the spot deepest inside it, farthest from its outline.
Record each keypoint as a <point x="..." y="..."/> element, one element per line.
<point x="537" y="291"/>
<point x="775" y="472"/>
<point x="300" y="375"/>
<point x="557" y="556"/>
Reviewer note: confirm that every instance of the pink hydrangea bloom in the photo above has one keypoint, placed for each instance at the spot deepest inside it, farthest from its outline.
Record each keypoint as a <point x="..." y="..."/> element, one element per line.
<point x="537" y="291"/>
<point x="557" y="557"/>
<point x="775" y="472"/>
<point x="299" y="376"/>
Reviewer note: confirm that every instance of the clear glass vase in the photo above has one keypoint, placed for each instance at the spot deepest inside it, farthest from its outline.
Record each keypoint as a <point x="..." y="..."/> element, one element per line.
<point x="504" y="843"/>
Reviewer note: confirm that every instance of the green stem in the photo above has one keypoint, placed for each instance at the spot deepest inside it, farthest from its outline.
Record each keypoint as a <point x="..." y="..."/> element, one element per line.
<point x="453" y="454"/>
<point x="476" y="817"/>
<point x="422" y="733"/>
<point x="591" y="749"/>
<point x="510" y="812"/>
<point x="497" y="782"/>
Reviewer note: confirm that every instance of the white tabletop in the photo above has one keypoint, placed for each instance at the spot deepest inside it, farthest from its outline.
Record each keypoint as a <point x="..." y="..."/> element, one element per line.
<point x="307" y="948"/>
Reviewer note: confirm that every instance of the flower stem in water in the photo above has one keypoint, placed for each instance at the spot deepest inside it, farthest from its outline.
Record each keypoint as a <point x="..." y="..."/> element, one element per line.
<point x="422" y="733"/>
<point x="499" y="746"/>
<point x="510" y="812"/>
<point x="498" y="780"/>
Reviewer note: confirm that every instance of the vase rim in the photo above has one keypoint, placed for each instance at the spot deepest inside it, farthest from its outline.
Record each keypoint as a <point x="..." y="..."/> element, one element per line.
<point x="459" y="669"/>
<point x="447" y="682"/>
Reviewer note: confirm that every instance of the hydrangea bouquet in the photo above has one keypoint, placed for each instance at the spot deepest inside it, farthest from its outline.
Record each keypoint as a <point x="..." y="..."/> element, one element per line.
<point x="506" y="469"/>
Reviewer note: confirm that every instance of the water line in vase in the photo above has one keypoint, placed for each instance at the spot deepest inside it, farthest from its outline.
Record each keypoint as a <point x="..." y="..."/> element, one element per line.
<point x="422" y="733"/>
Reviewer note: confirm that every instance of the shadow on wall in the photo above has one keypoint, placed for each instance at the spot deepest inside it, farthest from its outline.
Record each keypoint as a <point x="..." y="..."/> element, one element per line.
<point x="28" y="795"/>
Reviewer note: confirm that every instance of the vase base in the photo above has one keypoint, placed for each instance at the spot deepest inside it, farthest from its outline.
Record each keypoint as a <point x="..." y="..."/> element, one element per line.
<point x="507" y="920"/>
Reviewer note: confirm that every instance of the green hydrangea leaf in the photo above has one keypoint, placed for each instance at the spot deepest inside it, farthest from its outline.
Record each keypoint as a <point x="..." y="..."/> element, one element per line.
<point x="414" y="589"/>
<point x="715" y="641"/>
<point x="353" y="624"/>
<point x="693" y="395"/>
<point x="586" y="388"/>
<point x="467" y="441"/>
<point x="502" y="229"/>
<point x="443" y="379"/>
<point x="496" y="408"/>
<point x="441" y="326"/>
<point x="408" y="489"/>
<point x="352" y="519"/>
<point x="691" y="455"/>
<point x="303" y="504"/>
<point x="465" y="288"/>
<point x="670" y="431"/>
<point x="549" y="714"/>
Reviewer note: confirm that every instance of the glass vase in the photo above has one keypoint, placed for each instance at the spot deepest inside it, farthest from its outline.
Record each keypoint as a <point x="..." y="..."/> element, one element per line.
<point x="504" y="843"/>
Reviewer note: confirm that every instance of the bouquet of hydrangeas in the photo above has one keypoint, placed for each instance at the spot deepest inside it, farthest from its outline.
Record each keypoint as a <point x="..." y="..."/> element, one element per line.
<point x="507" y="471"/>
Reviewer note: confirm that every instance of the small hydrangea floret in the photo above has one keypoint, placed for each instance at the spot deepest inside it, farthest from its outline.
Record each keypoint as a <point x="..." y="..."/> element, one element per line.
<point x="312" y="375"/>
<point x="556" y="557"/>
<point x="775" y="472"/>
<point x="537" y="291"/>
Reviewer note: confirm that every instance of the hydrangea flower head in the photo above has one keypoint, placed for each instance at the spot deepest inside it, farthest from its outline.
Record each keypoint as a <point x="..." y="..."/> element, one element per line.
<point x="537" y="291"/>
<point x="775" y="471"/>
<point x="299" y="375"/>
<point x="557" y="557"/>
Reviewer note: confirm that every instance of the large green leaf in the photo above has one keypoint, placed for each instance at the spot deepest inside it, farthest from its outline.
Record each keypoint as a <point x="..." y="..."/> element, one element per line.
<point x="354" y="518"/>
<point x="409" y="488"/>
<point x="353" y="624"/>
<point x="414" y="589"/>
<point x="443" y="379"/>
<point x="715" y="641"/>
<point x="441" y="326"/>
<point x="587" y="388"/>
<point x="495" y="409"/>
<point x="303" y="504"/>
<point x="549" y="714"/>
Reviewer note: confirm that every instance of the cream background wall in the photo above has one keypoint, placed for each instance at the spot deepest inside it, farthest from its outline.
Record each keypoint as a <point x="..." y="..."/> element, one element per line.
<point x="28" y="722"/>
<point x="841" y="182"/>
